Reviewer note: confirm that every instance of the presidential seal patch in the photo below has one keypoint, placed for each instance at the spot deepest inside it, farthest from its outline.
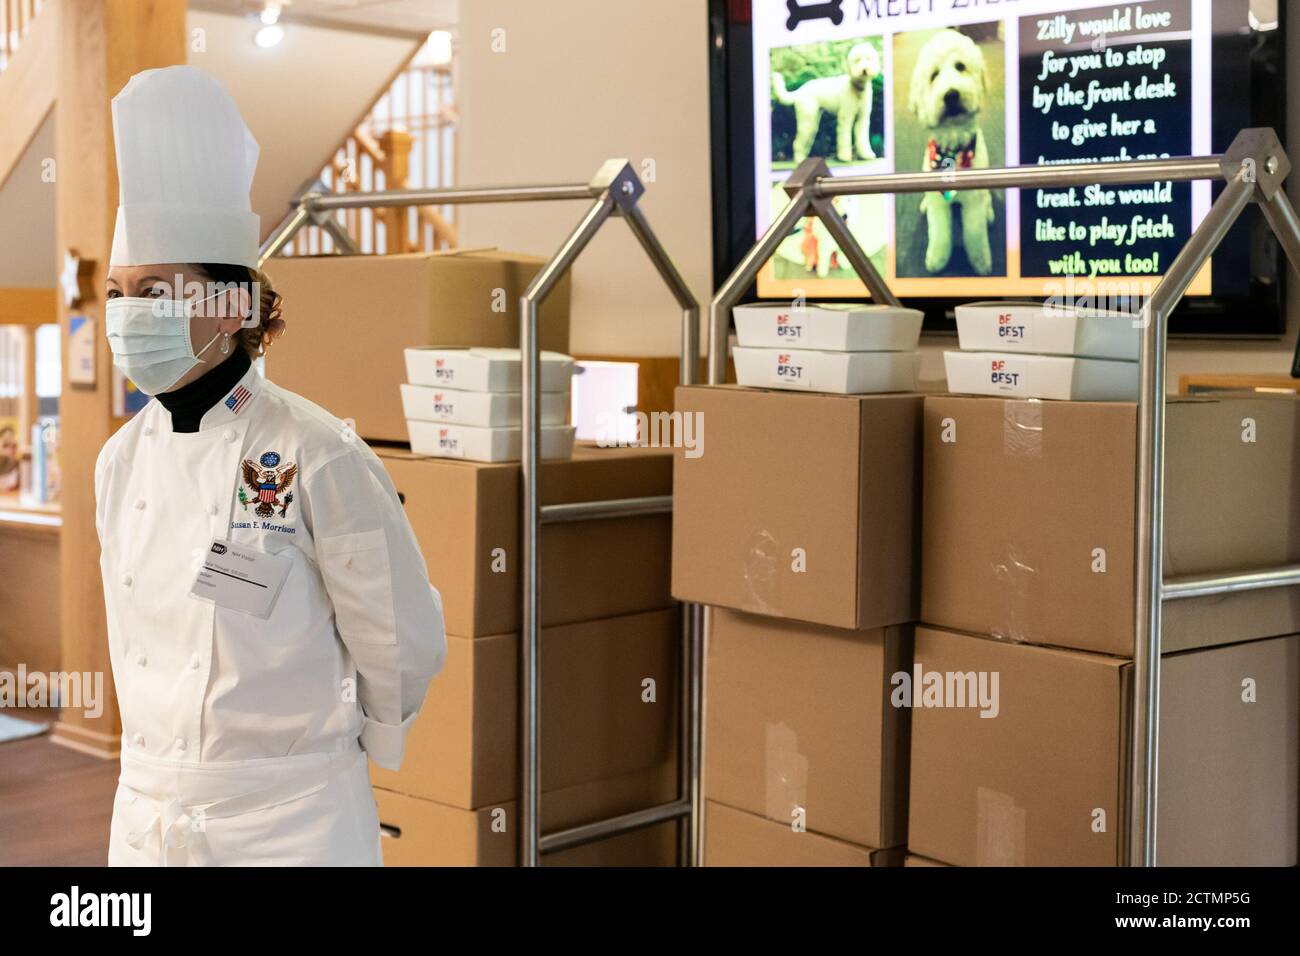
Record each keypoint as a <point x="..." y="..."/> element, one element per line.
<point x="269" y="483"/>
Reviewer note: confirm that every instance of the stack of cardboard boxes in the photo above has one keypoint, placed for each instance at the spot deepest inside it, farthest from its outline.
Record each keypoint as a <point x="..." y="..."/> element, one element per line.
<point x="1024" y="662"/>
<point x="796" y="521"/>
<point x="610" y="642"/>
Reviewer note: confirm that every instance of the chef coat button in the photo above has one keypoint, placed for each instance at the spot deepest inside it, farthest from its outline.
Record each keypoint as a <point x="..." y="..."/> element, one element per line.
<point x="142" y="660"/>
<point x="139" y="505"/>
<point x="138" y="740"/>
<point x="230" y="435"/>
<point x="126" y="580"/>
<point x="212" y="509"/>
<point x="195" y="663"/>
<point x="148" y="429"/>
<point x="180" y="743"/>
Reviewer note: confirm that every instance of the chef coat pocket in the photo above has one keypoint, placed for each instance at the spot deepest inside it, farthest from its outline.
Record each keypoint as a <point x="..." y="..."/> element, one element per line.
<point x="360" y="584"/>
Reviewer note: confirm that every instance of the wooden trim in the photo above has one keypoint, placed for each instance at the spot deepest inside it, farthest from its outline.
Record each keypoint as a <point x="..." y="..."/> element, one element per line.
<point x="28" y="87"/>
<point x="1222" y="382"/>
<point x="87" y="741"/>
<point x="29" y="307"/>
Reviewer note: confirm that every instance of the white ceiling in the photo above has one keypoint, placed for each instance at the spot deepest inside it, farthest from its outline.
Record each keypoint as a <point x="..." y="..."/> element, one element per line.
<point x="273" y="89"/>
<point x="404" y="16"/>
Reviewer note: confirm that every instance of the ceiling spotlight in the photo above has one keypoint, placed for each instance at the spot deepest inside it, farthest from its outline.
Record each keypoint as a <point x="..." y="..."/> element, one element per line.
<point x="271" y="14"/>
<point x="269" y="36"/>
<point x="440" y="48"/>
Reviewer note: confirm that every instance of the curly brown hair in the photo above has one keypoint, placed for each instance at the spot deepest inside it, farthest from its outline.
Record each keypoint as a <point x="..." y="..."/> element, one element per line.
<point x="255" y="339"/>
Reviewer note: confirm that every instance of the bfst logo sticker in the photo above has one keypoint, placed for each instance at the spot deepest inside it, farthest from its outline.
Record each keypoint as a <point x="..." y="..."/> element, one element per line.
<point x="441" y="372"/>
<point x="446" y="441"/>
<point x="786" y="369"/>
<point x="1006" y="330"/>
<point x="1001" y="376"/>
<point x="786" y="329"/>
<point x="832" y="10"/>
<point x="442" y="404"/>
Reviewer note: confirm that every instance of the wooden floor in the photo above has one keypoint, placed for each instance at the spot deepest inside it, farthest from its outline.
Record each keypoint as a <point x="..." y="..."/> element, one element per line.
<point x="55" y="803"/>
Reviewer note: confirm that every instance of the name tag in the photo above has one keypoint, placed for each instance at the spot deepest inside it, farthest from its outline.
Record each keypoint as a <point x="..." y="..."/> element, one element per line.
<point x="241" y="578"/>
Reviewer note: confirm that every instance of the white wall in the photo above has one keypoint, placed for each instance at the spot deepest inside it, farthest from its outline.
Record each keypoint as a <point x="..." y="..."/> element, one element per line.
<point x="584" y="79"/>
<point x="581" y="81"/>
<point x="28" y="259"/>
<point x="299" y="98"/>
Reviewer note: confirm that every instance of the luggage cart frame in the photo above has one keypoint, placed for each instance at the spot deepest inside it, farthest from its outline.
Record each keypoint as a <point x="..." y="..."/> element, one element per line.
<point x="614" y="191"/>
<point x="1253" y="170"/>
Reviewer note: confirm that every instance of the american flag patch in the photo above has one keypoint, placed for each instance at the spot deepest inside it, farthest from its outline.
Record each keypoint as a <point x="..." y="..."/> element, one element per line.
<point x="238" y="399"/>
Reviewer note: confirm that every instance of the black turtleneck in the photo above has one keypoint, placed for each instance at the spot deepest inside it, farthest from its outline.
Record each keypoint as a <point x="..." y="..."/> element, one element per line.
<point x="189" y="403"/>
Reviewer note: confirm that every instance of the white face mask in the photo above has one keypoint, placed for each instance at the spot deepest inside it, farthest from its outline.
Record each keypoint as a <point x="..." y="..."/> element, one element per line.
<point x="150" y="339"/>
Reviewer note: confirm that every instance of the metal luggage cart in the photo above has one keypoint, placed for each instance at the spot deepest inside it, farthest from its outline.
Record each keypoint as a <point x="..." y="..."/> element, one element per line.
<point x="614" y="191"/>
<point x="1252" y="169"/>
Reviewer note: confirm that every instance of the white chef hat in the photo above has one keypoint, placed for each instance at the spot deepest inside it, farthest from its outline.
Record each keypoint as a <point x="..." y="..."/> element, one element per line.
<point x="185" y="164"/>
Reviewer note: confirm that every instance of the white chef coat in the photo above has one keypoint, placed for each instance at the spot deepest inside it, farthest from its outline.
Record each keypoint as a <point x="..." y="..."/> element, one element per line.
<point x="243" y="738"/>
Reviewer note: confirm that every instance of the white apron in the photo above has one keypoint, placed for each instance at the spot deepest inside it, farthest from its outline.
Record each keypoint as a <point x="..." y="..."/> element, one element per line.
<point x="243" y="738"/>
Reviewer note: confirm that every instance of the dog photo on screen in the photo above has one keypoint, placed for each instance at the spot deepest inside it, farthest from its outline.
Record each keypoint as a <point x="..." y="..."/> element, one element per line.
<point x="949" y="114"/>
<point x="828" y="100"/>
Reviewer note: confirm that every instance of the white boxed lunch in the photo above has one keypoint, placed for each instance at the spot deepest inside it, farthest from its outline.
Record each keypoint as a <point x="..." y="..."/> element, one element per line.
<point x="483" y="369"/>
<point x="848" y="373"/>
<point x="829" y="326"/>
<point x="439" y="440"/>
<point x="428" y="403"/>
<point x="1047" y="330"/>
<point x="1041" y="376"/>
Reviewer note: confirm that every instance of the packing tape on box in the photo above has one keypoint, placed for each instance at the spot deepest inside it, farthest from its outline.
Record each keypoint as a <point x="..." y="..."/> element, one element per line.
<point x="1022" y="428"/>
<point x="999" y="829"/>
<point x="1022" y="437"/>
<point x="1019" y="580"/>
<point x="763" y="565"/>
<point x="785" y="773"/>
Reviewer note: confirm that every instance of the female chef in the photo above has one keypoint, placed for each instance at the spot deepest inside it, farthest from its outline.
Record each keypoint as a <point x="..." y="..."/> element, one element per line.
<point x="270" y="617"/>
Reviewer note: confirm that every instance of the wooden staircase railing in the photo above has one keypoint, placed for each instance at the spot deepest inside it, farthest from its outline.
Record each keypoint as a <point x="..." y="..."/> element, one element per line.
<point x="365" y="162"/>
<point x="16" y="17"/>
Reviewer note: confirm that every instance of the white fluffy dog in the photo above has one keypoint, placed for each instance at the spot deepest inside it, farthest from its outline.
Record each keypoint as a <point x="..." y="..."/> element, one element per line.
<point x="948" y="90"/>
<point x="847" y="95"/>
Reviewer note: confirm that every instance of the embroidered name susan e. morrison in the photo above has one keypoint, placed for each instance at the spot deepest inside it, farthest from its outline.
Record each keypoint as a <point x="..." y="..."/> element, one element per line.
<point x="923" y="688"/>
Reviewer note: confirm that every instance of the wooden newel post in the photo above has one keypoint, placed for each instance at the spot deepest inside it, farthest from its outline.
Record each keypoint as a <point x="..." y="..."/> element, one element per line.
<point x="102" y="44"/>
<point x="396" y="144"/>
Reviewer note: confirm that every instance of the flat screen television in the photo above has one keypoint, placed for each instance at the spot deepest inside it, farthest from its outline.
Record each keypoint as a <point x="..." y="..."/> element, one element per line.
<point x="879" y="86"/>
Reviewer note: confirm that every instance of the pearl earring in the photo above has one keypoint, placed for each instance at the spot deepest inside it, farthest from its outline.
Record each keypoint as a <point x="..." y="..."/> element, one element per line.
<point x="225" y="343"/>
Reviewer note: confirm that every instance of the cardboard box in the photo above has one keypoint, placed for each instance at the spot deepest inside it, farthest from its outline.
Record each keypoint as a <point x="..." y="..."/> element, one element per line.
<point x="1041" y="376"/>
<point x="913" y="860"/>
<point x="845" y="373"/>
<point x="1039" y="328"/>
<point x="800" y="506"/>
<point x="1027" y="502"/>
<point x="484" y="369"/>
<point x="424" y="403"/>
<point x="418" y="832"/>
<point x="1041" y="783"/>
<point x="466" y="517"/>
<point x="828" y="326"/>
<point x="735" y="838"/>
<point x="487" y="444"/>
<point x="463" y="748"/>
<point x="799" y="719"/>
<point x="381" y="305"/>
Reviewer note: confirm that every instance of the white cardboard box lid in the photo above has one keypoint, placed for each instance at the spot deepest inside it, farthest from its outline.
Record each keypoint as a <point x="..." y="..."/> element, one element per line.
<point x="1060" y="377"/>
<point x="1046" y="329"/>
